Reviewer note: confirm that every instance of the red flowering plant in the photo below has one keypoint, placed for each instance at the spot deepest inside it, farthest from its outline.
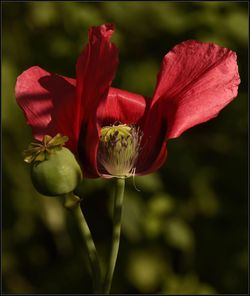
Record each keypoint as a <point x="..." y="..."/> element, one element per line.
<point x="113" y="132"/>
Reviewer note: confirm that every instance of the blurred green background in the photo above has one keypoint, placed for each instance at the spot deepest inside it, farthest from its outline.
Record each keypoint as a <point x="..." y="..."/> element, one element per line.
<point x="186" y="230"/>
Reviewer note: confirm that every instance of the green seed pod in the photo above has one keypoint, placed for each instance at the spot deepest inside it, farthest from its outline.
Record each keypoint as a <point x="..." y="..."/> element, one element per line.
<point x="58" y="174"/>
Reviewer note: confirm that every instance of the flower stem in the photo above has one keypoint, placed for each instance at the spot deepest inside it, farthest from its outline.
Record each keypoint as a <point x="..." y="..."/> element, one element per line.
<point x="117" y="215"/>
<point x="91" y="249"/>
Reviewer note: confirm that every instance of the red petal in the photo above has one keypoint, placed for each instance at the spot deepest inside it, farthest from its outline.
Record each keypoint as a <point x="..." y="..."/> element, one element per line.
<point x="195" y="82"/>
<point x="95" y="71"/>
<point x="121" y="106"/>
<point x="153" y="153"/>
<point x="49" y="105"/>
<point x="146" y="166"/>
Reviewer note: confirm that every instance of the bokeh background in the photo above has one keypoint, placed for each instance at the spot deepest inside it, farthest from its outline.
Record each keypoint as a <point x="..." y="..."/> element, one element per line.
<point x="186" y="231"/>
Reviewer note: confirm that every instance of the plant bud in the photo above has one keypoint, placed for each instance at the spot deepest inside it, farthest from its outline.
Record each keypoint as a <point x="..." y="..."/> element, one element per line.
<point x="58" y="174"/>
<point x="54" y="169"/>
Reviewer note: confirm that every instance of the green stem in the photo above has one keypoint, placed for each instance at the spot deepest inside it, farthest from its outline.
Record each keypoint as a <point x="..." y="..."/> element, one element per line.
<point x="91" y="249"/>
<point x="117" y="215"/>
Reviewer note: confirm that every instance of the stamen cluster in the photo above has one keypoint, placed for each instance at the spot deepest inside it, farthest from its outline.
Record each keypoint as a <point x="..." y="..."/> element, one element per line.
<point x="119" y="148"/>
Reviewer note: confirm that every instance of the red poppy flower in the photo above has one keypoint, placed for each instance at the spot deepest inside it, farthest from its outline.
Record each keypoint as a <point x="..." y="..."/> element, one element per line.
<point x="110" y="127"/>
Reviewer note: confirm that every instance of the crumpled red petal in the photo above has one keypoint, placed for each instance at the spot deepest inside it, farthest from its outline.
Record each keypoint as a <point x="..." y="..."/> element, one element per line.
<point x="95" y="71"/>
<point x="49" y="104"/>
<point x="195" y="82"/>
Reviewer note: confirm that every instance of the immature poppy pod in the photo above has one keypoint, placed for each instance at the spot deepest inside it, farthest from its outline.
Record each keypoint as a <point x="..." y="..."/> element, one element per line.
<point x="54" y="169"/>
<point x="195" y="82"/>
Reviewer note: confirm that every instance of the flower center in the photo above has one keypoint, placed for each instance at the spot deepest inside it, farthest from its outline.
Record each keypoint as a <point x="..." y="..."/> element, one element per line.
<point x="119" y="148"/>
